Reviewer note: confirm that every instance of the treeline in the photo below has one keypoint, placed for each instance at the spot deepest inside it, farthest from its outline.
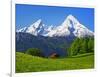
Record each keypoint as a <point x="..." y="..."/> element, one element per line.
<point x="33" y="52"/>
<point x="81" y="45"/>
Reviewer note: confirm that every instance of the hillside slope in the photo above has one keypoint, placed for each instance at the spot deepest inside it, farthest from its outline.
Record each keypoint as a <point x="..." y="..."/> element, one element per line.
<point x="27" y="63"/>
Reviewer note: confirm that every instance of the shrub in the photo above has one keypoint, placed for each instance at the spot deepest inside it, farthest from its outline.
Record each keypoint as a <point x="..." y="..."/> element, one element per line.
<point x="34" y="52"/>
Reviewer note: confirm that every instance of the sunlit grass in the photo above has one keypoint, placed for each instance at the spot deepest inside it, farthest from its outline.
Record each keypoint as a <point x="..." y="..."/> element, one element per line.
<point x="28" y="63"/>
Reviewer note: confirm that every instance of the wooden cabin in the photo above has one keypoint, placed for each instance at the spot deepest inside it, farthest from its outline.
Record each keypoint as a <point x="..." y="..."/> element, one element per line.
<point x="54" y="55"/>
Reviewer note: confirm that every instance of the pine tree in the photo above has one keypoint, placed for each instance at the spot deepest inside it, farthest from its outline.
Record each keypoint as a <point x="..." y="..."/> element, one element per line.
<point x="81" y="45"/>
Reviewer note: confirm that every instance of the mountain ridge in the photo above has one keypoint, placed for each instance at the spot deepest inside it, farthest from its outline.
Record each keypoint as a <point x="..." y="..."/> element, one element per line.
<point x="70" y="26"/>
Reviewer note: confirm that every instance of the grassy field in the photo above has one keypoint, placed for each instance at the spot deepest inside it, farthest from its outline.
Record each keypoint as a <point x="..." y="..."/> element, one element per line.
<point x="27" y="63"/>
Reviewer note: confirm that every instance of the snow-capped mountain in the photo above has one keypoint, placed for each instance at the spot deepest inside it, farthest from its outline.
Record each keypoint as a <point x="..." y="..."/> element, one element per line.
<point x="37" y="28"/>
<point x="34" y="28"/>
<point x="70" y="26"/>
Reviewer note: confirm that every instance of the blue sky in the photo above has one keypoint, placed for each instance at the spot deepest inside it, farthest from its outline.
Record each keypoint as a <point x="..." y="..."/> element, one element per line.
<point x="51" y="15"/>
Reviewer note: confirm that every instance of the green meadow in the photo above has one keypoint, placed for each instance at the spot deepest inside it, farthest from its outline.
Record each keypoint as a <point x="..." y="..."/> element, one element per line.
<point x="29" y="63"/>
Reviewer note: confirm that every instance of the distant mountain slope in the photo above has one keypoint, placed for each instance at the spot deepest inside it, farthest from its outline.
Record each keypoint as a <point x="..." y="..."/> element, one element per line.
<point x="47" y="44"/>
